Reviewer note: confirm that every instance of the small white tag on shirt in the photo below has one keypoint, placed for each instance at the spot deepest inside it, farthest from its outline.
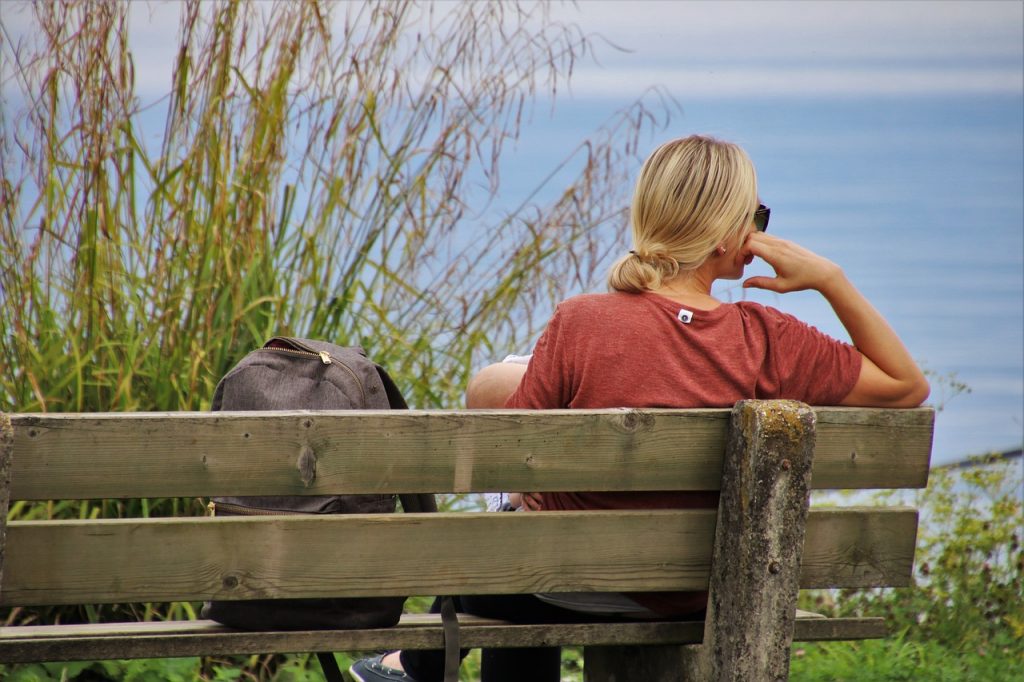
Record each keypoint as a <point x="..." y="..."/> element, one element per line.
<point x="685" y="316"/>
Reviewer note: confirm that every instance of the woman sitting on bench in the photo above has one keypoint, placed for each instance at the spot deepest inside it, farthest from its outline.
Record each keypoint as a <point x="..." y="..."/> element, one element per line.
<point x="660" y="339"/>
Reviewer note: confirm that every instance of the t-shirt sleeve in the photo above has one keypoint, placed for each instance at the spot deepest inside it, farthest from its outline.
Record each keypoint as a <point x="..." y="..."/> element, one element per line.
<point x="547" y="382"/>
<point x="809" y="365"/>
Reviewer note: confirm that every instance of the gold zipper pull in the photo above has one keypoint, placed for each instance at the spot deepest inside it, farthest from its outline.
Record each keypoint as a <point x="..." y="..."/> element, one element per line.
<point x="325" y="357"/>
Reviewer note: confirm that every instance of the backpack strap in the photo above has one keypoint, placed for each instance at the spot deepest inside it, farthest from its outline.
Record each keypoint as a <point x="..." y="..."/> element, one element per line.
<point x="418" y="503"/>
<point x="329" y="665"/>
<point x="395" y="398"/>
<point x="450" y="626"/>
<point x="413" y="503"/>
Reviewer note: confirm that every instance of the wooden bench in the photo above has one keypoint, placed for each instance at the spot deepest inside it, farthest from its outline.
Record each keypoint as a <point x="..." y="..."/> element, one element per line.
<point x="756" y="552"/>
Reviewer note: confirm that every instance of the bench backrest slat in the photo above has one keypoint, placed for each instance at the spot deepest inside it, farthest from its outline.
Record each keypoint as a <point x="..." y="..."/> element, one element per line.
<point x="83" y="456"/>
<point x="66" y="562"/>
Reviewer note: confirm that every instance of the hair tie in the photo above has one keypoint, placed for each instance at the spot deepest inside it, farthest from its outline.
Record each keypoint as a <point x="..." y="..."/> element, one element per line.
<point x="634" y="253"/>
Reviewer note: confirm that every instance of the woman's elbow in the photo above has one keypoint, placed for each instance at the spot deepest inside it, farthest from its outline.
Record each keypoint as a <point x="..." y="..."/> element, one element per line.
<point x="875" y="389"/>
<point x="908" y="394"/>
<point x="918" y="392"/>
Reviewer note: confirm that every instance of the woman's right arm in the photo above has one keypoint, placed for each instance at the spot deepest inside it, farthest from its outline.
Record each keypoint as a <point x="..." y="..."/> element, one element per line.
<point x="889" y="377"/>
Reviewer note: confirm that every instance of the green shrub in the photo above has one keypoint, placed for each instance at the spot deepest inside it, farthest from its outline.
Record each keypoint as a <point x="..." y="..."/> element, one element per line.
<point x="899" y="658"/>
<point x="962" y="618"/>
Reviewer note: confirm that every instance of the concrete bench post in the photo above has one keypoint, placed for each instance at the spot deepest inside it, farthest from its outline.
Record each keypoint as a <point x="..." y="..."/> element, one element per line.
<point x="759" y="542"/>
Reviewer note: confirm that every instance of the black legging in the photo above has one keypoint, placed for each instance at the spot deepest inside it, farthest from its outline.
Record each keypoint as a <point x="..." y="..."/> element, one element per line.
<point x="538" y="664"/>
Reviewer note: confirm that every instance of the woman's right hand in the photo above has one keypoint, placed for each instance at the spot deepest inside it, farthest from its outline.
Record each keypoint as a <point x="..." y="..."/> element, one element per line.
<point x="796" y="268"/>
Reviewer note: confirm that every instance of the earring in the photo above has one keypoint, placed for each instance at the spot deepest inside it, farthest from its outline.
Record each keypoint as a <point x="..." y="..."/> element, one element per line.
<point x="721" y="250"/>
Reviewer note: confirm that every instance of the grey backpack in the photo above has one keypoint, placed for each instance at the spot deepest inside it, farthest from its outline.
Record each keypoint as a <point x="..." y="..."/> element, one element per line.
<point x="288" y="374"/>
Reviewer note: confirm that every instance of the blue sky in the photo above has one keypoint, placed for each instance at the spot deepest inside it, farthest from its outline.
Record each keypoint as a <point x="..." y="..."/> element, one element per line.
<point x="731" y="48"/>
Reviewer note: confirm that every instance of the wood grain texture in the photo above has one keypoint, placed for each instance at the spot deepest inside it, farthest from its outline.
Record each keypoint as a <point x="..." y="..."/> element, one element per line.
<point x="876" y="547"/>
<point x="70" y="562"/>
<point x="202" y="638"/>
<point x="862" y="444"/>
<point x="110" y="455"/>
<point x="6" y="453"/>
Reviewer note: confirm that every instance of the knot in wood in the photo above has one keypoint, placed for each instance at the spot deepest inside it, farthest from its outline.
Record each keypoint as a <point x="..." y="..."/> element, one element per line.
<point x="636" y="421"/>
<point x="774" y="568"/>
<point x="230" y="582"/>
<point x="307" y="465"/>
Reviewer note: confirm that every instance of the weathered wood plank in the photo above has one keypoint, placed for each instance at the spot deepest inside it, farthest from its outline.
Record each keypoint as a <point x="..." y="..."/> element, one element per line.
<point x="68" y="562"/>
<point x="191" y="627"/>
<point x="205" y="638"/>
<point x="876" y="549"/>
<point x="264" y="557"/>
<point x="114" y="455"/>
<point x="200" y="627"/>
<point x="6" y="453"/>
<point x="856" y="444"/>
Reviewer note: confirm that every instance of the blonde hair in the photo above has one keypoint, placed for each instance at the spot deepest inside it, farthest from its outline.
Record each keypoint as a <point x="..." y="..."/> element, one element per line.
<point x="693" y="193"/>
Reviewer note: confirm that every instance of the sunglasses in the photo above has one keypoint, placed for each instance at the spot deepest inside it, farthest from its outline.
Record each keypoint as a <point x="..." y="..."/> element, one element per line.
<point x="761" y="216"/>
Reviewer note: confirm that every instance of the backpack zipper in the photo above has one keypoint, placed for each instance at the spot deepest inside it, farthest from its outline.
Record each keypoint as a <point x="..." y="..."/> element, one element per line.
<point x="325" y="358"/>
<point x="228" y="509"/>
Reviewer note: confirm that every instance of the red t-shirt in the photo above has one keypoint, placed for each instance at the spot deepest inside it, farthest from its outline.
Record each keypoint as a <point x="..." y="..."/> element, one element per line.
<point x="634" y="350"/>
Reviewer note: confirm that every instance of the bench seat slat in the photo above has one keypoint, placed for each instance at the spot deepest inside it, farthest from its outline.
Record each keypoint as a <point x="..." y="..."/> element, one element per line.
<point x="421" y="631"/>
<point x="200" y="627"/>
<point x="69" y="562"/>
<point x="111" y="455"/>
